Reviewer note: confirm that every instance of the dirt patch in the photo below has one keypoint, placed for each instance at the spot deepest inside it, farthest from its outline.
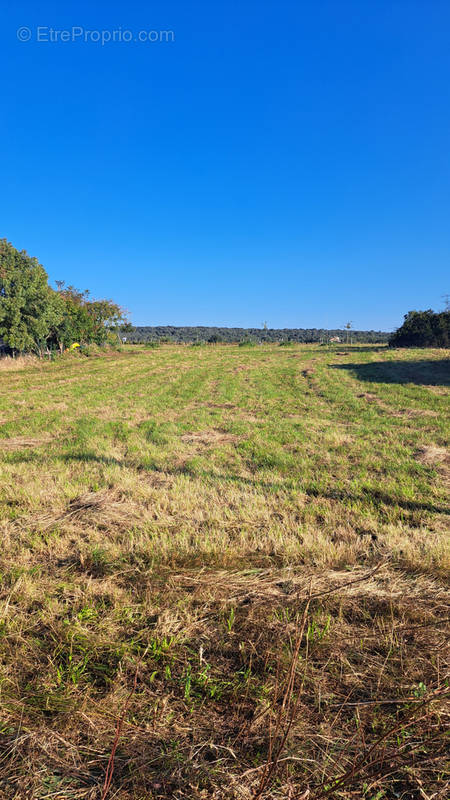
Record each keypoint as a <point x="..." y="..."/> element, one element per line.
<point x="212" y="436"/>
<point x="251" y="418"/>
<point x="431" y="455"/>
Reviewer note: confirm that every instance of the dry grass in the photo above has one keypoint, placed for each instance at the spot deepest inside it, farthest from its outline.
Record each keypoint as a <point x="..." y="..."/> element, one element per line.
<point x="21" y="442"/>
<point x="230" y="584"/>
<point x="431" y="454"/>
<point x="212" y="662"/>
<point x="9" y="364"/>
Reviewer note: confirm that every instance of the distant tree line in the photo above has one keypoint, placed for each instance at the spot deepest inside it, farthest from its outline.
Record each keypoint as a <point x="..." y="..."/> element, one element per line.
<point x="172" y="333"/>
<point x="423" y="329"/>
<point x="34" y="318"/>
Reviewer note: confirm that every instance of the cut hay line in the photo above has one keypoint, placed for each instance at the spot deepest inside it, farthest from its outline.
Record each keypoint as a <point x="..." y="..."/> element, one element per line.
<point x="23" y="442"/>
<point x="104" y="510"/>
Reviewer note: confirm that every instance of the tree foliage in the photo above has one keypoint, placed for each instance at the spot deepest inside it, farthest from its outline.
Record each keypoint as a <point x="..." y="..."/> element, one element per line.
<point x="27" y="310"/>
<point x="172" y="333"/>
<point x="36" y="318"/>
<point x="423" y="329"/>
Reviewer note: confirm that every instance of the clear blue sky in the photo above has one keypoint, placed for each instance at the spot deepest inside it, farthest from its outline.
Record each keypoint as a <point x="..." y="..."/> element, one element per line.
<point x="279" y="161"/>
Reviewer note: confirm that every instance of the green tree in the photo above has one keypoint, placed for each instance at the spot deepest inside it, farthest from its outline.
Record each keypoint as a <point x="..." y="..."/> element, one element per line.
<point x="423" y="329"/>
<point x="82" y="320"/>
<point x="107" y="319"/>
<point x="27" y="310"/>
<point x="73" y="323"/>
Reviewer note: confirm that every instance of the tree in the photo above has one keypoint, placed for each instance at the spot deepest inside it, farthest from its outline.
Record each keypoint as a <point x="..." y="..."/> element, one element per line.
<point x="35" y="317"/>
<point x="107" y="318"/>
<point x="27" y="310"/>
<point x="83" y="320"/>
<point x="423" y="329"/>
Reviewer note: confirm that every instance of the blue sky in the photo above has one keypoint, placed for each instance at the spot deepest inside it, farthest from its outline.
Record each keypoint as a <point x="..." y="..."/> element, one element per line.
<point x="279" y="161"/>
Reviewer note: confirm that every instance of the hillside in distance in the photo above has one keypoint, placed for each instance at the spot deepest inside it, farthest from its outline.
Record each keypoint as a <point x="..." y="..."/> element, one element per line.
<point x="173" y="333"/>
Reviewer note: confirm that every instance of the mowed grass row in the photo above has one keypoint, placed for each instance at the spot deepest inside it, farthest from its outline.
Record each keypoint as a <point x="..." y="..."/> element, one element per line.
<point x="165" y="515"/>
<point x="221" y="453"/>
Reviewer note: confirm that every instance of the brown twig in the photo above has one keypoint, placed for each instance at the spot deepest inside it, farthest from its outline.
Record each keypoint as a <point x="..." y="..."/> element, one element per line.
<point x="286" y="714"/>
<point x="111" y="762"/>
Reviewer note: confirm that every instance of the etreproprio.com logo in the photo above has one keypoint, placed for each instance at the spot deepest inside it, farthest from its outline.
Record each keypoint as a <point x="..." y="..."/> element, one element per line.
<point x="46" y="34"/>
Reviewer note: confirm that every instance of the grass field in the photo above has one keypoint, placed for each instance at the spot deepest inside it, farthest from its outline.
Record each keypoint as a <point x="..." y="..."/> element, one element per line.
<point x="224" y="574"/>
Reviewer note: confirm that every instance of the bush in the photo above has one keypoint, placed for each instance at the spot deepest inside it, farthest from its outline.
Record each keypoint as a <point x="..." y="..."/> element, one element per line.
<point x="89" y="350"/>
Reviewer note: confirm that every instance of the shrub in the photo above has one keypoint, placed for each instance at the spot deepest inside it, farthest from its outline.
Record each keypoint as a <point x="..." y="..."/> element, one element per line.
<point x="89" y="350"/>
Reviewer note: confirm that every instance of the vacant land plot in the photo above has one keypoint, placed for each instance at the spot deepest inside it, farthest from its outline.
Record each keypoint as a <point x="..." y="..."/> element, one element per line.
<point x="223" y="574"/>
